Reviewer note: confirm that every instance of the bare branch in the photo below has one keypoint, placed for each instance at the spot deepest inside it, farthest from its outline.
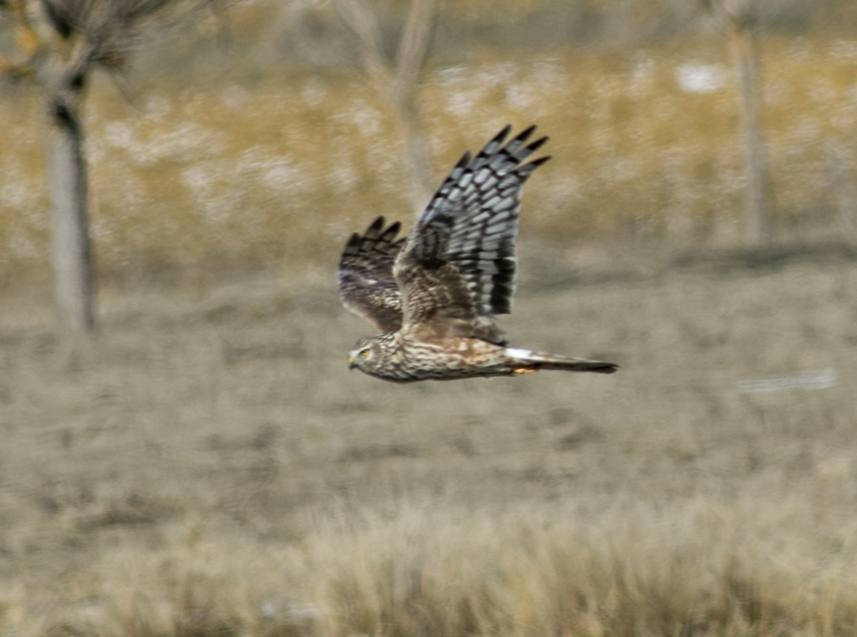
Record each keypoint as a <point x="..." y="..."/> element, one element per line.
<point x="413" y="48"/>
<point x="115" y="27"/>
<point x="363" y="22"/>
<point x="742" y="14"/>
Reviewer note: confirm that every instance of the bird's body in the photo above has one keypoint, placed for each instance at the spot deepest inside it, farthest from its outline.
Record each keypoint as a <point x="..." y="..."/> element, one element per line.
<point x="435" y="294"/>
<point x="405" y="359"/>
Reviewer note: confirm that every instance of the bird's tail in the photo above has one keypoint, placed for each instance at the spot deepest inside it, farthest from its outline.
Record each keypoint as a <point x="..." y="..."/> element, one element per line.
<point x="531" y="361"/>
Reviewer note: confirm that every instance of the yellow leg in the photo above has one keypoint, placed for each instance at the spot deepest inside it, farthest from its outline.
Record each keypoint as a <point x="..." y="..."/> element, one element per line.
<point x="525" y="370"/>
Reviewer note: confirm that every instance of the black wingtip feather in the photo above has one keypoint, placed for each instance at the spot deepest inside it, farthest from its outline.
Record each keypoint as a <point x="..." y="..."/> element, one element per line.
<point x="465" y="159"/>
<point x="375" y="238"/>
<point x="375" y="227"/>
<point x="525" y="134"/>
<point x="537" y="144"/>
<point x="501" y="136"/>
<point x="352" y="246"/>
<point x="390" y="233"/>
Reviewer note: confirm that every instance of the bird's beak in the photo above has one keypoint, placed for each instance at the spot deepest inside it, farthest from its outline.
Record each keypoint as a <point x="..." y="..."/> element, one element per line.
<point x="351" y="362"/>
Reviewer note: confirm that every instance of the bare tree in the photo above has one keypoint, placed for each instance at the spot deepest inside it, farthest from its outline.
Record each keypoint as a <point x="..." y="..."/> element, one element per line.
<point x="397" y="81"/>
<point x="742" y="19"/>
<point x="843" y="184"/>
<point x="60" y="43"/>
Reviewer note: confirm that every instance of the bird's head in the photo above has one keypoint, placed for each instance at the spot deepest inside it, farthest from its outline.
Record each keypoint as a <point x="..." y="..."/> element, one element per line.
<point x="366" y="355"/>
<point x="376" y="356"/>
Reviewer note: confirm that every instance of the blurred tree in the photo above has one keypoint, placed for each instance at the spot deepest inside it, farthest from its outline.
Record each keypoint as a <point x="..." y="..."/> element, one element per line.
<point x="397" y="81"/>
<point x="742" y="18"/>
<point x="843" y="184"/>
<point x="60" y="43"/>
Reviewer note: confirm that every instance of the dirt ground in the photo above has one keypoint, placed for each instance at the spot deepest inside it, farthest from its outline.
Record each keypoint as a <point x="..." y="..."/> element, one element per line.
<point x="228" y="414"/>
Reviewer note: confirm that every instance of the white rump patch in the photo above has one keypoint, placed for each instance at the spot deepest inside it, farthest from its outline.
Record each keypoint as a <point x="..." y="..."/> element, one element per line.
<point x="515" y="352"/>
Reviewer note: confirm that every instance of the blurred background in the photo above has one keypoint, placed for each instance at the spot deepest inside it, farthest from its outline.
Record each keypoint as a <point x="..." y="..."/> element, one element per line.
<point x="288" y="101"/>
<point x="183" y="451"/>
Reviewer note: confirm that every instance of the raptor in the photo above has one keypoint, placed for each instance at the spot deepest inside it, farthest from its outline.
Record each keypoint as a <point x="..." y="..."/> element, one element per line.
<point x="434" y="294"/>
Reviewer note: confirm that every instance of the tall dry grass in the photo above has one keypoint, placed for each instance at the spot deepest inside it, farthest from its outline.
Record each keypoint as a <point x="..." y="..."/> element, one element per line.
<point x="703" y="567"/>
<point x="249" y="171"/>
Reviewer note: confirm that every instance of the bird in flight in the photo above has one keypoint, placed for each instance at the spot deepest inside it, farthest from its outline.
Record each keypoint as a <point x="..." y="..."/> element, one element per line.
<point x="434" y="294"/>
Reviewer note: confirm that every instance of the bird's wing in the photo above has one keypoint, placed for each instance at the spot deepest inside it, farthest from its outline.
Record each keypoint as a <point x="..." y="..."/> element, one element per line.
<point x="459" y="260"/>
<point x="365" y="273"/>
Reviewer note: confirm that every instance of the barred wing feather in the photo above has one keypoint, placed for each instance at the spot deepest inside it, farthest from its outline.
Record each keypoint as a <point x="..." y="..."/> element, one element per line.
<point x="365" y="273"/>
<point x="472" y="220"/>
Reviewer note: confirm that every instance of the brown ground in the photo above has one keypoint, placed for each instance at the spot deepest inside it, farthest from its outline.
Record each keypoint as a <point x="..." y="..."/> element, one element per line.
<point x="208" y="465"/>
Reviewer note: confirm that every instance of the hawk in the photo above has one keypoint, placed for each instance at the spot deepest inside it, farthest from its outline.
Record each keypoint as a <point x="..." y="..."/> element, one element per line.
<point x="434" y="295"/>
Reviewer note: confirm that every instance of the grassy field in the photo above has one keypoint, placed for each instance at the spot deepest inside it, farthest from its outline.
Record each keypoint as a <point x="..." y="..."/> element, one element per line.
<point x="252" y="171"/>
<point x="207" y="465"/>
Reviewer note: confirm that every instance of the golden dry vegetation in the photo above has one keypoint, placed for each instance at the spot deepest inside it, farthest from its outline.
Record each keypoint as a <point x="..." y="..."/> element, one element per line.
<point x="250" y="172"/>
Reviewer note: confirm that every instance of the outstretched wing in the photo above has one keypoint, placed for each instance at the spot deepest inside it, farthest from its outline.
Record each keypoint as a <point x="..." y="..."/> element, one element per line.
<point x="366" y="283"/>
<point x="470" y="224"/>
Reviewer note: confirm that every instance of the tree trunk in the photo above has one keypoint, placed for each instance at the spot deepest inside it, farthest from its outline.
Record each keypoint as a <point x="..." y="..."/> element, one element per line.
<point x="411" y="60"/>
<point x="398" y="85"/>
<point x="757" y="222"/>
<point x="416" y="154"/>
<point x="71" y="253"/>
<point x="843" y="184"/>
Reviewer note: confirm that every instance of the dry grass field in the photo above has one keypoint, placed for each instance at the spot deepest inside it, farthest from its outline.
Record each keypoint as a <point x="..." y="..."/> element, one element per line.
<point x="251" y="170"/>
<point x="207" y="465"/>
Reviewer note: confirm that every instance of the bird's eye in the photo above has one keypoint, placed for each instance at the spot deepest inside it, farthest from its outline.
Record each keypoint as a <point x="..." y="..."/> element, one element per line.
<point x="364" y="353"/>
